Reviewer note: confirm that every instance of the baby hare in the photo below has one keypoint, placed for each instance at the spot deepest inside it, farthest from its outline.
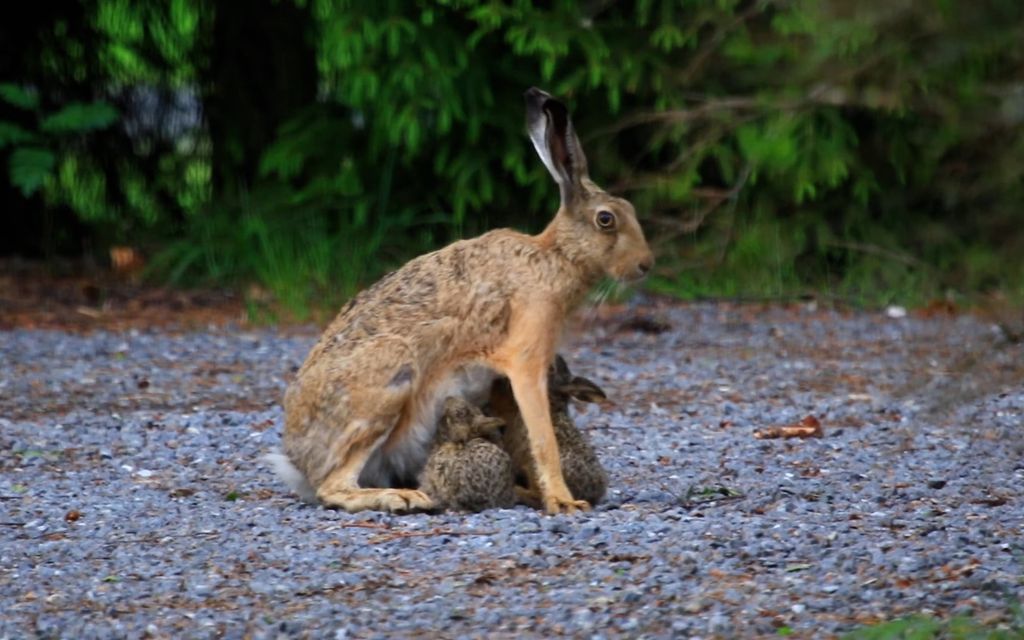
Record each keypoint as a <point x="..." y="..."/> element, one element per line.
<point x="467" y="470"/>
<point x="583" y="473"/>
<point x="362" y="410"/>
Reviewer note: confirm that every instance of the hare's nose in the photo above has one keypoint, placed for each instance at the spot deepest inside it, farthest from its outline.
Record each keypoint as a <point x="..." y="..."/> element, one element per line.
<point x="645" y="265"/>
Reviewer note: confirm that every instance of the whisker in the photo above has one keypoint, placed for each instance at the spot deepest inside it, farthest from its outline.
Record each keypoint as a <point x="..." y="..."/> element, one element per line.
<point x="600" y="295"/>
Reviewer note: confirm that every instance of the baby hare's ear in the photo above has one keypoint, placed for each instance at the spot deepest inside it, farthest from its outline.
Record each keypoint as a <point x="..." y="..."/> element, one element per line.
<point x="584" y="390"/>
<point x="487" y="427"/>
<point x="552" y="134"/>
<point x="560" y="369"/>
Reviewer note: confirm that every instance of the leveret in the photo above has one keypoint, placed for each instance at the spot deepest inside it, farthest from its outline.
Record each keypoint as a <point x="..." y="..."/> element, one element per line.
<point x="361" y="412"/>
<point x="467" y="470"/>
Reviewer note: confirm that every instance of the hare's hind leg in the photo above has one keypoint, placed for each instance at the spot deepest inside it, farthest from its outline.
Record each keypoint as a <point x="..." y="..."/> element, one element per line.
<point x="341" y="487"/>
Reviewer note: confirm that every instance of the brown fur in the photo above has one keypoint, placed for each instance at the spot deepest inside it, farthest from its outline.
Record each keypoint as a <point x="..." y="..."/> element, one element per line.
<point x="583" y="473"/>
<point x="361" y="412"/>
<point x="467" y="470"/>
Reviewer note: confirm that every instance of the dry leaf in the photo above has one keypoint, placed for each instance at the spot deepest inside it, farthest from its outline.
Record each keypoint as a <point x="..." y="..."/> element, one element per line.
<point x="126" y="259"/>
<point x="809" y="427"/>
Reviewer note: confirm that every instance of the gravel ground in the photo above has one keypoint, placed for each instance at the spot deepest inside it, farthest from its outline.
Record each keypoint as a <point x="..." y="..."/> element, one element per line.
<point x="133" y="502"/>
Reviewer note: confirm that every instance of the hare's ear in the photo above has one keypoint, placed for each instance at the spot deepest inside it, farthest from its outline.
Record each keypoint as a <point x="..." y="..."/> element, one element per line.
<point x="554" y="138"/>
<point x="584" y="390"/>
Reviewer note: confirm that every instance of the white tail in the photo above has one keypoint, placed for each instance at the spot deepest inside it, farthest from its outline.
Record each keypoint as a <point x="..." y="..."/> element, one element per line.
<point x="291" y="476"/>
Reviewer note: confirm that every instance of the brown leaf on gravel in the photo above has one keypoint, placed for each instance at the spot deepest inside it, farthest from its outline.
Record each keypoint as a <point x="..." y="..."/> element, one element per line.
<point x="72" y="516"/>
<point x="809" y="427"/>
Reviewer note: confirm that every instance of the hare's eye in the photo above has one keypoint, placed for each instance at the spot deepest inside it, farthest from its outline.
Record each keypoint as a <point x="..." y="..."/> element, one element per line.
<point x="605" y="220"/>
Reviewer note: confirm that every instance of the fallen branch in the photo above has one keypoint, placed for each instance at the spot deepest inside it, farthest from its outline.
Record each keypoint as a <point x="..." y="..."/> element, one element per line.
<point x="357" y="525"/>
<point x="396" y="535"/>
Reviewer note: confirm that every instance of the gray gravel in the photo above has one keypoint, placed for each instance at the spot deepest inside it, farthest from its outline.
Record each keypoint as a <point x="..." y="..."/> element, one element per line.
<point x="133" y="502"/>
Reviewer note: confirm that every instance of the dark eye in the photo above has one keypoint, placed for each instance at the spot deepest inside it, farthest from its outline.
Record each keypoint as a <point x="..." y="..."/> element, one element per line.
<point x="605" y="220"/>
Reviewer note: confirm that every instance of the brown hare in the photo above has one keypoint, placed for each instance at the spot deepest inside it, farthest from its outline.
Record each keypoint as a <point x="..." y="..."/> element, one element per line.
<point x="361" y="412"/>
<point x="467" y="469"/>
<point x="581" y="469"/>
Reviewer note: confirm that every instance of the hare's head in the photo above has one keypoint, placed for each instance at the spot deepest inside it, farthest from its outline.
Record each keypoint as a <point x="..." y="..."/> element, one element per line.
<point x="594" y="229"/>
<point x="461" y="422"/>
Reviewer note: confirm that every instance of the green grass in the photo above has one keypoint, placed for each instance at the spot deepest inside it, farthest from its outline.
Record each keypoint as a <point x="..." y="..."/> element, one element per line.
<point x="297" y="261"/>
<point x="766" y="261"/>
<point x="289" y="262"/>
<point x="921" y="627"/>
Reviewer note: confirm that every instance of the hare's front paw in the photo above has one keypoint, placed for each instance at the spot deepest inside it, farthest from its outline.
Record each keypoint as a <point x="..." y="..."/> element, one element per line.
<point x="557" y="504"/>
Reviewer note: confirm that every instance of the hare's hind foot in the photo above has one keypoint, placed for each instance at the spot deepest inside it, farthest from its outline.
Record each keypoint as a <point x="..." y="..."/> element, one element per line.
<point x="393" y="500"/>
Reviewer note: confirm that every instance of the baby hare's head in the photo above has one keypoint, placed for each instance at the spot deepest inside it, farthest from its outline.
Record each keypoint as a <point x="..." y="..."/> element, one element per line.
<point x="597" y="229"/>
<point x="462" y="421"/>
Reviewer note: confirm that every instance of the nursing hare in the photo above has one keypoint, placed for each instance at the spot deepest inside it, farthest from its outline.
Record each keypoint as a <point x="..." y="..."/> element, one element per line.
<point x="581" y="469"/>
<point x="362" y="410"/>
<point x="467" y="469"/>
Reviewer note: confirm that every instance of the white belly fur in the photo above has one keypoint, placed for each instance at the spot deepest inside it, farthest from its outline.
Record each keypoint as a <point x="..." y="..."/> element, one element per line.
<point x="405" y="459"/>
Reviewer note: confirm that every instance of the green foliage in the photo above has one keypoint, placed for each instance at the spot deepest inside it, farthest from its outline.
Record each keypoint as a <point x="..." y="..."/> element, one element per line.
<point x="927" y="628"/>
<point x="20" y="97"/>
<point x="30" y="167"/>
<point x="300" y="254"/>
<point x="79" y="118"/>
<point x="33" y="155"/>
<point x="868" y="150"/>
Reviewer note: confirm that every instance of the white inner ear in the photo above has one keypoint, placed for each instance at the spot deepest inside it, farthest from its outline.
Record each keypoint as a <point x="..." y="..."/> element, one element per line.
<point x="539" y="138"/>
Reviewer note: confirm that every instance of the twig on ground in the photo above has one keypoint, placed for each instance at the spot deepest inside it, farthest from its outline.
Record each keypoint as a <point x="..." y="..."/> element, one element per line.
<point x="395" y="535"/>
<point x="365" y="524"/>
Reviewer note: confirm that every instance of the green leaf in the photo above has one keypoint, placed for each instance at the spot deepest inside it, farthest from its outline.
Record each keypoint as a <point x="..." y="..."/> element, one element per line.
<point x="19" y="96"/>
<point x="13" y="134"/>
<point x="29" y="167"/>
<point x="78" y="118"/>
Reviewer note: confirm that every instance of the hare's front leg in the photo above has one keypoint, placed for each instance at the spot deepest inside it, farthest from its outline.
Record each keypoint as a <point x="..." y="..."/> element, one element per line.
<point x="357" y="442"/>
<point x="525" y="357"/>
<point x="530" y="390"/>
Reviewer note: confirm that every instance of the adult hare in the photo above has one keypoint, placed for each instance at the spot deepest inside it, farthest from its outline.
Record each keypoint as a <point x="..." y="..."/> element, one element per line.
<point x="361" y="412"/>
